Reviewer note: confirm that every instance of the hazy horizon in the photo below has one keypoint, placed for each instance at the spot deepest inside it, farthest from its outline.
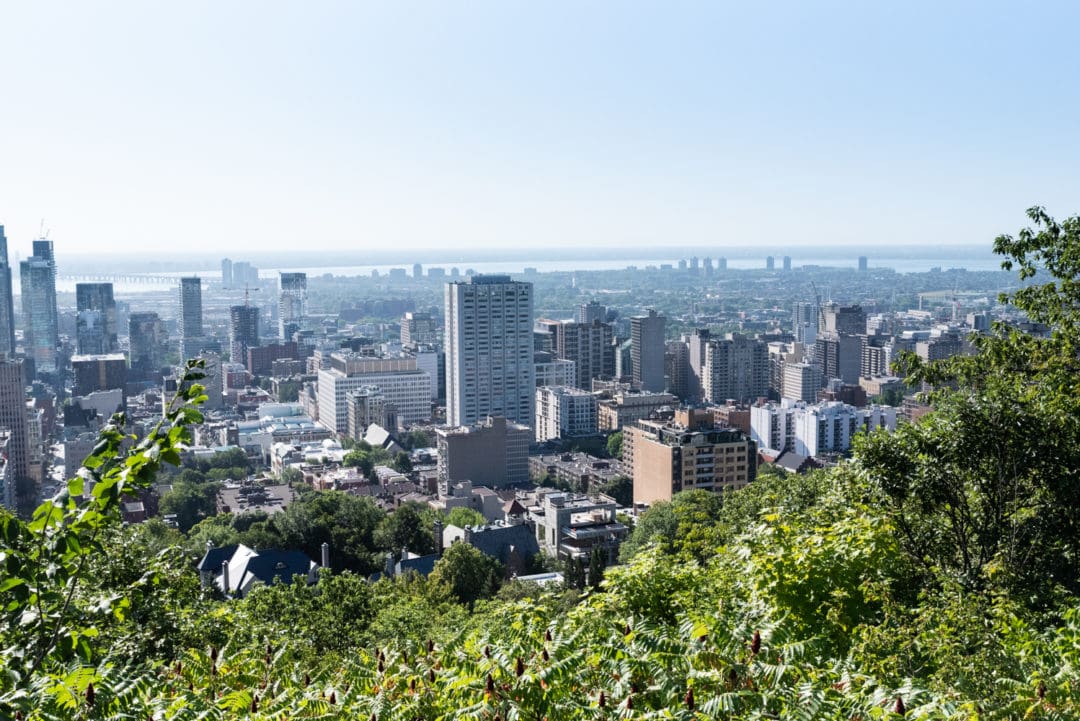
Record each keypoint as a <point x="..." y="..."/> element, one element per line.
<point x="246" y="127"/>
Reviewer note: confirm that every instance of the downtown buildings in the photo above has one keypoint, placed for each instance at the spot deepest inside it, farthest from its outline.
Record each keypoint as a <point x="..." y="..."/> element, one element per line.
<point x="40" y="317"/>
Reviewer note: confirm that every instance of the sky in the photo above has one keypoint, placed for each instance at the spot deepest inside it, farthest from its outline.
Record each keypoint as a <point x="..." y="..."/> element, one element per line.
<point x="239" y="126"/>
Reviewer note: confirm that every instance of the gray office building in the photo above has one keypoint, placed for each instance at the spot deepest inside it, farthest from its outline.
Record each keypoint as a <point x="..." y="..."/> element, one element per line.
<point x="647" y="351"/>
<point x="95" y="320"/>
<point x="40" y="317"/>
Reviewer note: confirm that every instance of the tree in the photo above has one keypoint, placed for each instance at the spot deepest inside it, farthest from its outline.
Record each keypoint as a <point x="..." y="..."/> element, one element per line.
<point x="463" y="516"/>
<point x="597" y="561"/>
<point x="190" y="502"/>
<point x="346" y="522"/>
<point x="983" y="490"/>
<point x="614" y="444"/>
<point x="687" y="525"/>
<point x="410" y="527"/>
<point x="621" y="488"/>
<point x="402" y="462"/>
<point x="469" y="573"/>
<point x="361" y="460"/>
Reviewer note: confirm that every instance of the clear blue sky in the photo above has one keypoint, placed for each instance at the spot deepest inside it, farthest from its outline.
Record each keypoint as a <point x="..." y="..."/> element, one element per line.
<point x="239" y="126"/>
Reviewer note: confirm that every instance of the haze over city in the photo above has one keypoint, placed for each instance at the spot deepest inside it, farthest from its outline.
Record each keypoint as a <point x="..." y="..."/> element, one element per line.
<point x="255" y="126"/>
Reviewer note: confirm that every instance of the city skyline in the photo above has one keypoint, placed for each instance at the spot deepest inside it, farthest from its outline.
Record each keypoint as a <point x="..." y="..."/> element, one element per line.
<point x="351" y="126"/>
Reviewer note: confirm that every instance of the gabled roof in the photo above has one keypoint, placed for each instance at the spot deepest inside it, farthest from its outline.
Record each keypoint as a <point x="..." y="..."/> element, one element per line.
<point x="215" y="556"/>
<point x="496" y="541"/>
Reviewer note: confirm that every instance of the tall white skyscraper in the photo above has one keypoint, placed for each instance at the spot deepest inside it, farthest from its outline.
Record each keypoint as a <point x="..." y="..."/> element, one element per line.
<point x="489" y="350"/>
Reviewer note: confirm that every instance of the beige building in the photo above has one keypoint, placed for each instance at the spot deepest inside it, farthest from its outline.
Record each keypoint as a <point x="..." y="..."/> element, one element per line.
<point x="492" y="453"/>
<point x="686" y="453"/>
<point x="624" y="408"/>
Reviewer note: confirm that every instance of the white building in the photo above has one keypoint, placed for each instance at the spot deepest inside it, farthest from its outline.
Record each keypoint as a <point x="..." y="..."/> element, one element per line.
<point x="556" y="372"/>
<point x="812" y="430"/>
<point x="399" y="380"/>
<point x="564" y="411"/>
<point x="489" y="350"/>
<point x="801" y="381"/>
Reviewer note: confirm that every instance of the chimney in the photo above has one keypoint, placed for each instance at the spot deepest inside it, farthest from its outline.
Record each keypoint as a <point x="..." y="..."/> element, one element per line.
<point x="325" y="555"/>
<point x="225" y="577"/>
<point x="438" y="530"/>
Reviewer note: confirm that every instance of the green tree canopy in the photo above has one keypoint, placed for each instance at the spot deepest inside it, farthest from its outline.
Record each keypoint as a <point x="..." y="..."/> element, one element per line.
<point x="469" y="574"/>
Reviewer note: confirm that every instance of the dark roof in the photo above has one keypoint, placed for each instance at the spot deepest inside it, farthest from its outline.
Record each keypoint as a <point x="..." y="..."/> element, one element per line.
<point x="794" y="462"/>
<point x="496" y="541"/>
<point x="423" y="565"/>
<point x="215" y="557"/>
<point x="273" y="564"/>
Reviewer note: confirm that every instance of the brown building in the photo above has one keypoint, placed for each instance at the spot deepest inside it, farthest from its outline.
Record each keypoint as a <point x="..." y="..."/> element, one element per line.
<point x="260" y="360"/>
<point x="625" y="408"/>
<point x="685" y="454"/>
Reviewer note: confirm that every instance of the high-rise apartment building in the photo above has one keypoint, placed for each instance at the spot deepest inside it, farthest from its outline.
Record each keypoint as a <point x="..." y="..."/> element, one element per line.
<point x="489" y="350"/>
<point x="191" y="316"/>
<point x="814" y="429"/>
<point x="592" y="311"/>
<point x="647" y="351"/>
<point x="292" y="303"/>
<point x="589" y="346"/>
<point x="40" y="317"/>
<point x="226" y="273"/>
<point x="862" y="263"/>
<point x="7" y="301"/>
<point x="417" y="328"/>
<point x="20" y="491"/>
<point x="770" y="263"/>
<point x="564" y="412"/>
<point x="95" y="320"/>
<point x="243" y="331"/>
<point x="736" y="368"/>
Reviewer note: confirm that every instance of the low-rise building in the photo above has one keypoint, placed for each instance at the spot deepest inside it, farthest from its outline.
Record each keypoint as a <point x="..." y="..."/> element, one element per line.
<point x="492" y="453"/>
<point x="570" y="526"/>
<point x="623" y="408"/>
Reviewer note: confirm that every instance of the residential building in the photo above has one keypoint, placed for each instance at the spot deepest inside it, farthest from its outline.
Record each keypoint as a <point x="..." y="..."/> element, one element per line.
<point x="226" y="273"/>
<point x="569" y="526"/>
<point x="804" y="322"/>
<point x="647" y="351"/>
<point x="687" y="453"/>
<point x="591" y="312"/>
<point x="260" y="360"/>
<point x="815" y="429"/>
<point x="625" y="407"/>
<point x="551" y="371"/>
<point x="95" y="320"/>
<point x="492" y="453"/>
<point x="489" y="350"/>
<point x="418" y="328"/>
<point x="801" y="381"/>
<point x="589" y="346"/>
<point x="41" y="334"/>
<point x="736" y="368"/>
<point x="564" y="412"/>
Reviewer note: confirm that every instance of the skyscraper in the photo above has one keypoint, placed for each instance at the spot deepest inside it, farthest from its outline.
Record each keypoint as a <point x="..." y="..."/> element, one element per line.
<point x="40" y="317"/>
<point x="489" y="350"/>
<point x="226" y="273"/>
<point x="7" y="302"/>
<point x="13" y="418"/>
<point x="647" y="351"/>
<point x="292" y="303"/>
<point x="787" y="262"/>
<point x="191" y="318"/>
<point x="146" y="341"/>
<point x="862" y="262"/>
<point x="95" y="322"/>
<point x="243" y="331"/>
<point x="770" y="263"/>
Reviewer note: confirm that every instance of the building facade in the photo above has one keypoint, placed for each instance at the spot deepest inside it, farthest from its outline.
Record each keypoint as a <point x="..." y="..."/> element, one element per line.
<point x="492" y="453"/>
<point x="191" y="314"/>
<point x="564" y="412"/>
<point x="40" y="317"/>
<point x="292" y="303"/>
<point x="243" y="331"/>
<point x="647" y="351"/>
<point x="95" y="320"/>
<point x="489" y="350"/>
